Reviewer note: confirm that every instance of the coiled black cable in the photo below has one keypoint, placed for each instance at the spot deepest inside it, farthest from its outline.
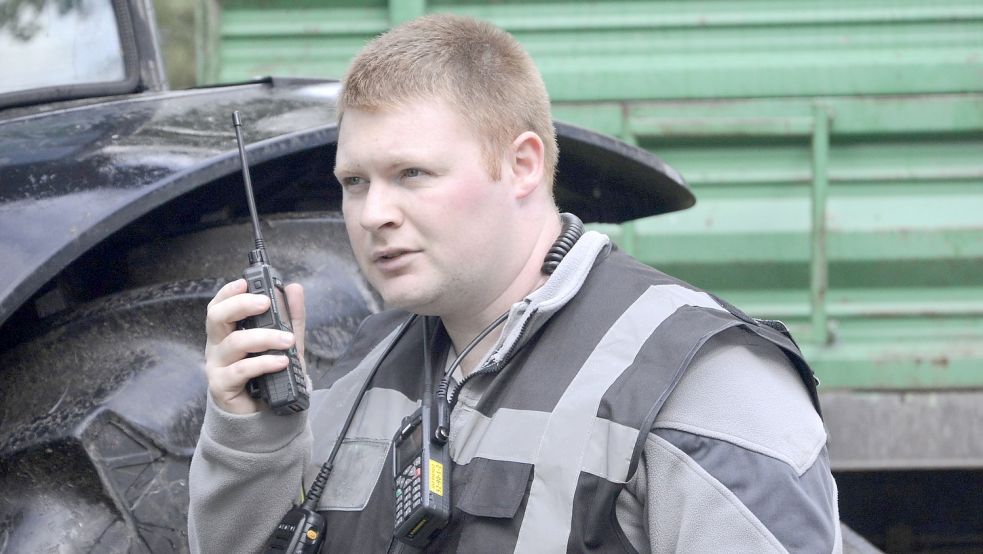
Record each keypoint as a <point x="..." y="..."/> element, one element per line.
<point x="572" y="229"/>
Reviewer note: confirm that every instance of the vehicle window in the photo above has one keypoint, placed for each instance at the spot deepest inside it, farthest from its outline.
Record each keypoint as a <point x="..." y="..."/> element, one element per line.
<point x="46" y="43"/>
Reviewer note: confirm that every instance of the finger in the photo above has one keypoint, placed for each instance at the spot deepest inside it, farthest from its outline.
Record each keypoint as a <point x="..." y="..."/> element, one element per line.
<point x="238" y="344"/>
<point x="230" y="380"/>
<point x="228" y="384"/>
<point x="229" y="290"/>
<point x="298" y="314"/>
<point x="222" y="316"/>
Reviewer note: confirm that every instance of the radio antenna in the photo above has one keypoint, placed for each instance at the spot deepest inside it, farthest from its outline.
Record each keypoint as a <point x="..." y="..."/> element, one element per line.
<point x="260" y="252"/>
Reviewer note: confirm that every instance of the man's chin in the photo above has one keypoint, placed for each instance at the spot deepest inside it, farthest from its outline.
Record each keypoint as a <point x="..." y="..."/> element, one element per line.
<point x="403" y="300"/>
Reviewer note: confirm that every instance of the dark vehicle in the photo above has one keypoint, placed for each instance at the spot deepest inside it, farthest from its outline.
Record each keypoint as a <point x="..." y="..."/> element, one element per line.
<point x="122" y="212"/>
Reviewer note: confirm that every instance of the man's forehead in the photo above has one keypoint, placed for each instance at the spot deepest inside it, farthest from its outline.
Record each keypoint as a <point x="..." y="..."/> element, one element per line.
<point x="374" y="143"/>
<point x="384" y="153"/>
<point x="406" y="115"/>
<point x="401" y="135"/>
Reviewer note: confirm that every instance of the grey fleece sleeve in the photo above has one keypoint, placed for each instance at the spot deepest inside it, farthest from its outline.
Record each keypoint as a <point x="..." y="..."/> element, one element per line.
<point x="736" y="461"/>
<point x="246" y="473"/>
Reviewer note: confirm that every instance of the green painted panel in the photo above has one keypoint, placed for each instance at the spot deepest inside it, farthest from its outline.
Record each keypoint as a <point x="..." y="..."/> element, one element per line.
<point x="903" y="298"/>
<point x="633" y="50"/>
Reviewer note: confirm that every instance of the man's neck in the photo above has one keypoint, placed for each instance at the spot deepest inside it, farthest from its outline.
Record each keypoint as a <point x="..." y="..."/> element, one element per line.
<point x="463" y="329"/>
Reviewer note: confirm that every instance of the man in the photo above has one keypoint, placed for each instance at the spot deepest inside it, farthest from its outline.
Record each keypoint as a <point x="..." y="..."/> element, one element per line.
<point x="616" y="409"/>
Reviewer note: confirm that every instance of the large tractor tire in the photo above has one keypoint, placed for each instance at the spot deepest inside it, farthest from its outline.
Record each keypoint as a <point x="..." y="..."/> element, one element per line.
<point x="100" y="413"/>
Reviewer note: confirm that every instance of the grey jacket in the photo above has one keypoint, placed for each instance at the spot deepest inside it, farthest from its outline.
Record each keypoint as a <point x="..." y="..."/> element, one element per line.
<point x="735" y="462"/>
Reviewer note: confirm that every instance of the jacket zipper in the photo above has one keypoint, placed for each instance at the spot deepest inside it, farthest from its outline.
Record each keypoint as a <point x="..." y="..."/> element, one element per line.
<point x="492" y="368"/>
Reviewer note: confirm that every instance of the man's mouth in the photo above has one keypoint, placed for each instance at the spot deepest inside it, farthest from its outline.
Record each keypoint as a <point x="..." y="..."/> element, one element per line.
<point x="390" y="254"/>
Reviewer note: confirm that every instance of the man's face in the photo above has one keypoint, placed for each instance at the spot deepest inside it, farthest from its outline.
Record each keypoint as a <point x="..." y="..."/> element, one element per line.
<point x="429" y="227"/>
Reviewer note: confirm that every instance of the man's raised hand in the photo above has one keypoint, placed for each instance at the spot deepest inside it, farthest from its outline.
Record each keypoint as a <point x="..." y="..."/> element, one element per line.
<point x="227" y="366"/>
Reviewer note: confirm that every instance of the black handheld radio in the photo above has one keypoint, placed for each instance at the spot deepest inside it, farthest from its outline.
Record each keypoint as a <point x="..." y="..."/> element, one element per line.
<point x="421" y="468"/>
<point x="421" y="476"/>
<point x="301" y="531"/>
<point x="285" y="391"/>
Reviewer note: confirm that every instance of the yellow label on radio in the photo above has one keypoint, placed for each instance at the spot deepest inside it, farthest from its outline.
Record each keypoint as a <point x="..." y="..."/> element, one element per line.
<point x="436" y="477"/>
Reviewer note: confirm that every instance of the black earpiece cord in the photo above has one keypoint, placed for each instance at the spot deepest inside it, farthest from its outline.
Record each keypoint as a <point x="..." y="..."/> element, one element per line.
<point x="572" y="229"/>
<point x="443" y="429"/>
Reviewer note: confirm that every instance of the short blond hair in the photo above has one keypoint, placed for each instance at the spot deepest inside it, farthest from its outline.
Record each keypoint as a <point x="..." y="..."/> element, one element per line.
<point x="481" y="71"/>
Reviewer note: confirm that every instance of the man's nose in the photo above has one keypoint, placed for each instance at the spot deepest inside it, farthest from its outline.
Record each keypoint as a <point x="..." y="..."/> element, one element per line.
<point x="380" y="207"/>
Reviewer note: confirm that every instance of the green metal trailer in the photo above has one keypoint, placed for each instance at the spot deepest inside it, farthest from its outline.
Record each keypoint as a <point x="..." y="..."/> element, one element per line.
<point x="836" y="152"/>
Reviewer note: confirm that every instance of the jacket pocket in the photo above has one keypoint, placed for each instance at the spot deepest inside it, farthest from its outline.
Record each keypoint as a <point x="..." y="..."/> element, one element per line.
<point x="495" y="489"/>
<point x="353" y="480"/>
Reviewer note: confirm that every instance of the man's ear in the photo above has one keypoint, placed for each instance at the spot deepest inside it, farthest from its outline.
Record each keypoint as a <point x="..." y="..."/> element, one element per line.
<point x="527" y="159"/>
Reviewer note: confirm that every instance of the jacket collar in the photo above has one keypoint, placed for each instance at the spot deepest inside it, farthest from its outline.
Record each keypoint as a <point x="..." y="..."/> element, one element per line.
<point x="532" y="312"/>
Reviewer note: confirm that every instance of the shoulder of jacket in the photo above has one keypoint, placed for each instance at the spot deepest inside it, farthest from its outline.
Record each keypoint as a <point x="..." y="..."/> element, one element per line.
<point x="371" y="330"/>
<point x="744" y="390"/>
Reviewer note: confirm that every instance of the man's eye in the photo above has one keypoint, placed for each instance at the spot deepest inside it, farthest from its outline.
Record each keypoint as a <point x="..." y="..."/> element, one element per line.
<point x="412" y="172"/>
<point x="352" y="181"/>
